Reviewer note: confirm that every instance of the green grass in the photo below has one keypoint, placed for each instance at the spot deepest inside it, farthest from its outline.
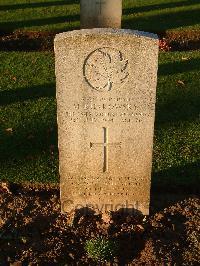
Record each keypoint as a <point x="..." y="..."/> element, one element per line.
<point x="101" y="249"/>
<point x="63" y="15"/>
<point x="177" y="142"/>
<point x="51" y="15"/>
<point x="28" y="107"/>
<point x="27" y="100"/>
<point x="161" y="15"/>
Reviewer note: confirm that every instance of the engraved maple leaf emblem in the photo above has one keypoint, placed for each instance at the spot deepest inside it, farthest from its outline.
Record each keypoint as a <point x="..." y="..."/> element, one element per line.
<point x="104" y="68"/>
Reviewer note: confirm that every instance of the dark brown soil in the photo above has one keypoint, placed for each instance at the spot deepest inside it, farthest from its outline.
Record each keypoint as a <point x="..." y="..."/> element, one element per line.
<point x="183" y="41"/>
<point x="27" y="41"/>
<point x="34" y="232"/>
<point x="43" y="41"/>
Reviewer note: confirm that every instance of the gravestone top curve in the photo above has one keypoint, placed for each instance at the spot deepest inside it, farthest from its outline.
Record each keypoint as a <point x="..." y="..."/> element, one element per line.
<point x="105" y="31"/>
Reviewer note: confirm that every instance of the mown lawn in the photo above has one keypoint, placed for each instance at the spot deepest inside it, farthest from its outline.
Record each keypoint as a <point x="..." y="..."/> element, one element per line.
<point x="28" y="140"/>
<point x="63" y="15"/>
<point x="28" y="132"/>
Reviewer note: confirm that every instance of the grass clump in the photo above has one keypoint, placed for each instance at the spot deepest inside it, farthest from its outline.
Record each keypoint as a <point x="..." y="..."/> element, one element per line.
<point x="101" y="249"/>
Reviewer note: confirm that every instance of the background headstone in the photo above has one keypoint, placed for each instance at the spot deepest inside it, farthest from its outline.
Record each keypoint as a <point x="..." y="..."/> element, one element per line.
<point x="101" y="14"/>
<point x="106" y="91"/>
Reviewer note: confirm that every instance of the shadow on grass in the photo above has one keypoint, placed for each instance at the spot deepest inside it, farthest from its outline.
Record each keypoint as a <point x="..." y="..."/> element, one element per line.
<point x="30" y="153"/>
<point x="183" y="179"/>
<point x="178" y="107"/>
<point x="138" y="9"/>
<point x="162" y="22"/>
<point x="174" y="184"/>
<point x="36" y="136"/>
<point x="27" y="93"/>
<point x="36" y="5"/>
<point x="14" y="25"/>
<point x="182" y="102"/>
<point x="178" y="67"/>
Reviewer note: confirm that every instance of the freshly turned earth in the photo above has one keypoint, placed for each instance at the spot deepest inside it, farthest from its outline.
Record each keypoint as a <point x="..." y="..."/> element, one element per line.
<point x="33" y="231"/>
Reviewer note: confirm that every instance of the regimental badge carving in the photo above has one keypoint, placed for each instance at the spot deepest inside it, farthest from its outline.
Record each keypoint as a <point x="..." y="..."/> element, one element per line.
<point x="105" y="69"/>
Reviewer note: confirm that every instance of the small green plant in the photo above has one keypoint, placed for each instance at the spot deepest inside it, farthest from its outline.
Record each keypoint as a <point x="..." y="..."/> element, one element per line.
<point x="101" y="249"/>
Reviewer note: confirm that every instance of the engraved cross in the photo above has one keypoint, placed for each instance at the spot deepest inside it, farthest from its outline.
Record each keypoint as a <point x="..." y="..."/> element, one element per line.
<point x="100" y="3"/>
<point x="105" y="145"/>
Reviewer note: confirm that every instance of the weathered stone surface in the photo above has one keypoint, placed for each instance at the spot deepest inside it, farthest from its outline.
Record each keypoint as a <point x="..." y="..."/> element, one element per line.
<point x="101" y="14"/>
<point x="106" y="88"/>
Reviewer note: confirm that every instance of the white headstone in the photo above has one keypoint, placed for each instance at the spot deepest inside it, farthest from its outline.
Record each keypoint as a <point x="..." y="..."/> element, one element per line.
<point x="106" y="91"/>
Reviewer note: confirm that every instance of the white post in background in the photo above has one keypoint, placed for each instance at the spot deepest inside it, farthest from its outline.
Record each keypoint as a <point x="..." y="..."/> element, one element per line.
<point x="101" y="14"/>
